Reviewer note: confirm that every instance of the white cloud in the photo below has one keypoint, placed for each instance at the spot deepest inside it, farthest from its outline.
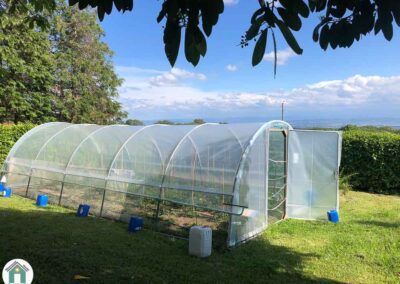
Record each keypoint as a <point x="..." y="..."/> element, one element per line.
<point x="231" y="2"/>
<point x="283" y="56"/>
<point x="231" y="67"/>
<point x="175" y="76"/>
<point x="168" y="95"/>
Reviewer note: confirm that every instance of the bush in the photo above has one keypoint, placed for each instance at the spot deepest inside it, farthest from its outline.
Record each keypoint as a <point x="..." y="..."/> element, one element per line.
<point x="372" y="158"/>
<point x="9" y="134"/>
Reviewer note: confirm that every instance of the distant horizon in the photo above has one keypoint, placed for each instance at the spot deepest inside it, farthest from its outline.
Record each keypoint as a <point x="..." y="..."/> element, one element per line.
<point x="296" y="122"/>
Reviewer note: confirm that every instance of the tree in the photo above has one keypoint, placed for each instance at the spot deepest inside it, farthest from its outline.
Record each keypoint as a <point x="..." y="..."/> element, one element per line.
<point x="63" y="72"/>
<point x="86" y="84"/>
<point x="134" y="122"/>
<point x="26" y="71"/>
<point x="198" y="121"/>
<point x="341" y="22"/>
<point x="164" y="121"/>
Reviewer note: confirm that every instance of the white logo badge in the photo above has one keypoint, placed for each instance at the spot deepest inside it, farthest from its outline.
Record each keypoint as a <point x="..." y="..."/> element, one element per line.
<point x="17" y="271"/>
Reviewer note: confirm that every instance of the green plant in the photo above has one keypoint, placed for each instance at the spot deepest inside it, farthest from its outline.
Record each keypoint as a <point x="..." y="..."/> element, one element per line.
<point x="9" y="134"/>
<point x="344" y="182"/>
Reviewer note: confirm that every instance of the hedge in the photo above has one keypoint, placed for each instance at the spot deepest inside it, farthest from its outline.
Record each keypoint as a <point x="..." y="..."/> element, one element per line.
<point x="372" y="157"/>
<point x="9" y="134"/>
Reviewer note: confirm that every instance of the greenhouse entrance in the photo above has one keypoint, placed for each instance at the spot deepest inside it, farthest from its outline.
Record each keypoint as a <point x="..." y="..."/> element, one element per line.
<point x="277" y="174"/>
<point x="235" y="178"/>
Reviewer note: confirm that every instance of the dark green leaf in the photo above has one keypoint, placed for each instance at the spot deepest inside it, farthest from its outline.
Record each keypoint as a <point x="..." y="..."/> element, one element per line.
<point x="172" y="40"/>
<point x="321" y="5"/>
<point x="108" y="4"/>
<point x="254" y="29"/>
<point x="338" y="12"/>
<point x="333" y="35"/>
<point x="201" y="43"/>
<point x="316" y="30"/>
<point x="210" y="10"/>
<point x="100" y="12"/>
<point x="312" y="4"/>
<point x="302" y="8"/>
<point x="324" y="37"/>
<point x="275" y="53"/>
<point x="259" y="48"/>
<point x="192" y="53"/>
<point x="72" y="2"/>
<point x="269" y="17"/>
<point x="162" y="13"/>
<point x="256" y="14"/>
<point x="291" y="20"/>
<point x="290" y="39"/>
<point x="315" y="35"/>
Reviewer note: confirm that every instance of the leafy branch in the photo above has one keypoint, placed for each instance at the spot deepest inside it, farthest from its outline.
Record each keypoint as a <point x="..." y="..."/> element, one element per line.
<point x="341" y="22"/>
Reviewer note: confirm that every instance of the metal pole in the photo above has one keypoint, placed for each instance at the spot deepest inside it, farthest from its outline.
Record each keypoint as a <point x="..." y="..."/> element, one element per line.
<point x="158" y="206"/>
<point x="283" y="103"/>
<point x="286" y="153"/>
<point x="61" y="191"/>
<point x="102" y="201"/>
<point x="27" y="187"/>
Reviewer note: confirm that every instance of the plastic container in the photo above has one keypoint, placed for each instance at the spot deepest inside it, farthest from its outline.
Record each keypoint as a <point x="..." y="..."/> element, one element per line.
<point x="200" y="241"/>
<point x="7" y="192"/>
<point x="135" y="224"/>
<point x="42" y="200"/>
<point x="333" y="216"/>
<point x="1" y="186"/>
<point x="83" y="210"/>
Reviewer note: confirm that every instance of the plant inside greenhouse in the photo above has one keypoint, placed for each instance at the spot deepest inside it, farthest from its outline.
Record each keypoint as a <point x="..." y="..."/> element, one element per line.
<point x="235" y="178"/>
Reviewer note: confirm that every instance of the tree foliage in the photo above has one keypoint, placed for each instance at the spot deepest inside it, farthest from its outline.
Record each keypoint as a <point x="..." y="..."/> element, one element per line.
<point x="134" y="122"/>
<point x="61" y="72"/>
<point x="26" y="72"/>
<point x="341" y="22"/>
<point x="196" y="121"/>
<point x="86" y="84"/>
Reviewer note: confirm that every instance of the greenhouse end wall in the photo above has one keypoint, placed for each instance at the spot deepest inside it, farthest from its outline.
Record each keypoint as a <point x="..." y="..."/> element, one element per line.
<point x="231" y="177"/>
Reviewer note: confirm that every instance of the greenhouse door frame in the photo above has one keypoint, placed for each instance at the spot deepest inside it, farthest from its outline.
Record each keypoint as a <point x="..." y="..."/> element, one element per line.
<point x="285" y="133"/>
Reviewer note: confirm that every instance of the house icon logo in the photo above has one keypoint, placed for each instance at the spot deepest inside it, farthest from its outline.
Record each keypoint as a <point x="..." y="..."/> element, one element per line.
<point x="17" y="271"/>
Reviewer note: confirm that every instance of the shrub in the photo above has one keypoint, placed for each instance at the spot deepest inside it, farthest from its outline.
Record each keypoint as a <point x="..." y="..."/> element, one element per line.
<point x="372" y="158"/>
<point x="9" y="134"/>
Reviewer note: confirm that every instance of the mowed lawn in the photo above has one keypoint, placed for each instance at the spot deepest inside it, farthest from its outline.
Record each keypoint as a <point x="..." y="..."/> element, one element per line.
<point x="363" y="248"/>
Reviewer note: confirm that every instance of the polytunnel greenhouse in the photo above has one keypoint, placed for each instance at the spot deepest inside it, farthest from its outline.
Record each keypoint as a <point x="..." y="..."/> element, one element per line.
<point x="235" y="178"/>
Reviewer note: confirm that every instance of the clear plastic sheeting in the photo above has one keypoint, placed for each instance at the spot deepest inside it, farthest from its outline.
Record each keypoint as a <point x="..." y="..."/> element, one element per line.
<point x="313" y="174"/>
<point x="232" y="177"/>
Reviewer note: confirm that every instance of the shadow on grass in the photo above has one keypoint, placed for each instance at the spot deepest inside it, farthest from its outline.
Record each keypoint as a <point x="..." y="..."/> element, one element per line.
<point x="60" y="245"/>
<point x="379" y="224"/>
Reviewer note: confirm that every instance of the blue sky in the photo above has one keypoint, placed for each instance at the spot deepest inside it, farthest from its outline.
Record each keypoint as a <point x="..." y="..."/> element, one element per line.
<point x="360" y="82"/>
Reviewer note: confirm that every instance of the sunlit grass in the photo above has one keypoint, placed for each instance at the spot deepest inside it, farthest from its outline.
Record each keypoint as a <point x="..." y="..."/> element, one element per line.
<point x="363" y="248"/>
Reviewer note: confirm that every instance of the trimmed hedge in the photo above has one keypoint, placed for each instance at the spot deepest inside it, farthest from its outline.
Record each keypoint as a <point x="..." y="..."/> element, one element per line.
<point x="372" y="157"/>
<point x="9" y="134"/>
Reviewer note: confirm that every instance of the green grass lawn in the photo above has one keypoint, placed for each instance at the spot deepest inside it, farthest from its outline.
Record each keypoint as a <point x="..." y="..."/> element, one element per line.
<point x="363" y="248"/>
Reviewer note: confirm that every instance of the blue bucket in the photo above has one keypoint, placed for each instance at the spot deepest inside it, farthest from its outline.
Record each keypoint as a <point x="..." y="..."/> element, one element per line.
<point x="83" y="210"/>
<point x="1" y="186"/>
<point x="135" y="224"/>
<point x="7" y="192"/>
<point x="333" y="216"/>
<point x="42" y="200"/>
